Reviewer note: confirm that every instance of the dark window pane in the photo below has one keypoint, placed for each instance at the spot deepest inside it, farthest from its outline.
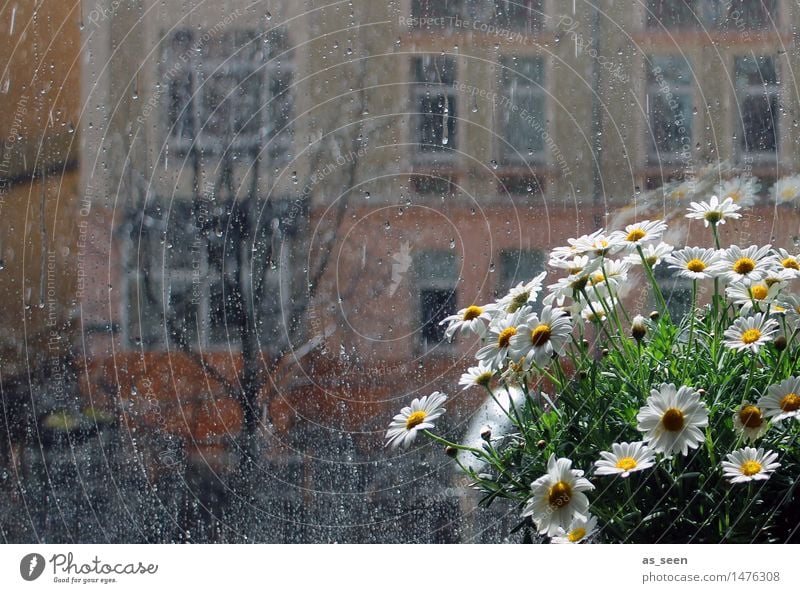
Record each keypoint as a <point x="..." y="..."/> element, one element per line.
<point x="519" y="15"/>
<point x="519" y="266"/>
<point x="669" y="102"/>
<point x="672" y="14"/>
<point x="435" y="103"/>
<point x="435" y="304"/>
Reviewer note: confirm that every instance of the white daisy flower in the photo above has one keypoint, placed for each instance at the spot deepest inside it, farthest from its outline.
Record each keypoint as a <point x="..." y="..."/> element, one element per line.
<point x="594" y="311"/>
<point x="671" y="420"/>
<point x="640" y="233"/>
<point x="472" y="318"/>
<point x="790" y="263"/>
<point x="579" y="264"/>
<point x="607" y="279"/>
<point x="598" y="244"/>
<point x="522" y="294"/>
<point x="569" y="287"/>
<point x="736" y="264"/>
<point x="696" y="263"/>
<point x="749" y="421"/>
<point x="782" y="400"/>
<point x="786" y="190"/>
<point x="750" y="333"/>
<point x="625" y="458"/>
<point x="653" y="254"/>
<point x="789" y="304"/>
<point x="748" y="463"/>
<point x="498" y="339"/>
<point x="580" y="530"/>
<point x="411" y="419"/>
<point x="746" y="293"/>
<point x="778" y="275"/>
<point x="558" y="497"/>
<point x="480" y="375"/>
<point x="742" y="190"/>
<point x="541" y="336"/>
<point x="714" y="211"/>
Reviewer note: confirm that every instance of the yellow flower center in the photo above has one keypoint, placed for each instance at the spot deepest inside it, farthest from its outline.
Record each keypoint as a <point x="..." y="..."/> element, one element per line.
<point x="636" y="235"/>
<point x="472" y="312"/>
<point x="626" y="463"/>
<point x="504" y="339"/>
<point x="576" y="535"/>
<point x="759" y="292"/>
<point x="540" y="335"/>
<point x="483" y="379"/>
<point x="673" y="420"/>
<point x="751" y="335"/>
<point x="695" y="265"/>
<point x="735" y="195"/>
<point x="788" y="193"/>
<point x="598" y="278"/>
<point x="790" y="263"/>
<point x="713" y="216"/>
<point x="744" y="265"/>
<point x="751" y="467"/>
<point x="790" y="402"/>
<point x="750" y="416"/>
<point x="559" y="495"/>
<point x="415" y="419"/>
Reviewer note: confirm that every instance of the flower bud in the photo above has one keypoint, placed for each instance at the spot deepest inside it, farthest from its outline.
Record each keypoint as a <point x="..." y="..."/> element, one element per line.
<point x="780" y="343"/>
<point x="486" y="433"/>
<point x="604" y="352"/>
<point x="450" y="451"/>
<point x="541" y="444"/>
<point x="654" y="315"/>
<point x="585" y="343"/>
<point x="701" y="392"/>
<point x="638" y="328"/>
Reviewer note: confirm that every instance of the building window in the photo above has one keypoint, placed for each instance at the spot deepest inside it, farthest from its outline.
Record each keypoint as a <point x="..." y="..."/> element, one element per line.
<point x="436" y="276"/>
<point x="184" y="285"/>
<point x="672" y="14"/>
<point x="751" y="14"/>
<point x="757" y="113"/>
<point x="434" y="100"/>
<point x="517" y="266"/>
<point x="226" y="93"/>
<point x="526" y="16"/>
<point x="669" y="108"/>
<point x="525" y="127"/>
<point x="730" y="15"/>
<point x="436" y="14"/>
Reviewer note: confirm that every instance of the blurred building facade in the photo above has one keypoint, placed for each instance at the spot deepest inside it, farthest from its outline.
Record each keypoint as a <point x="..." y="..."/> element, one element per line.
<point x="280" y="200"/>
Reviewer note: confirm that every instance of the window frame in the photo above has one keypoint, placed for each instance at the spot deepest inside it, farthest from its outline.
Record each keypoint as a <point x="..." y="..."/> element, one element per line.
<point x="654" y="155"/>
<point x="743" y="92"/>
<point x="445" y="154"/>
<point x="506" y="155"/>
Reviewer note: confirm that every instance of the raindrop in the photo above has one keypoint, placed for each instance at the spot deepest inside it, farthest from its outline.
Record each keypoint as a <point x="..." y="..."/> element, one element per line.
<point x="452" y="243"/>
<point x="494" y="164"/>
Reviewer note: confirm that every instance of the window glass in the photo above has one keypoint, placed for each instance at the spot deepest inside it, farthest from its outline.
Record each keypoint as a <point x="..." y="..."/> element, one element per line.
<point x="670" y="104"/>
